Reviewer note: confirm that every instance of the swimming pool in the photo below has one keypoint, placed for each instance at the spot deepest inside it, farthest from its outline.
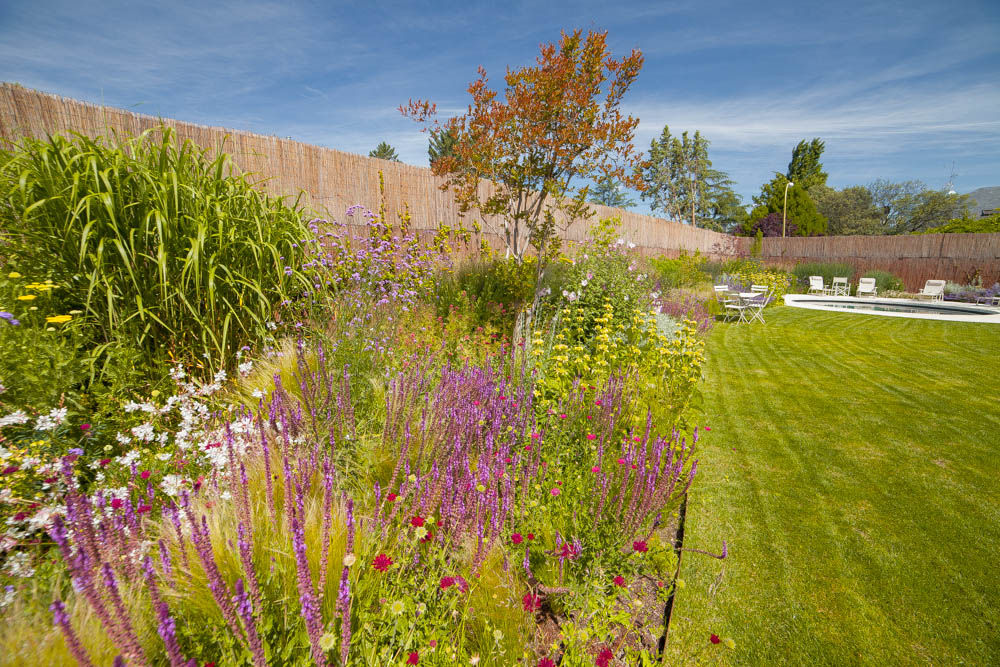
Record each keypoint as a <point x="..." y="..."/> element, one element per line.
<point x="927" y="310"/>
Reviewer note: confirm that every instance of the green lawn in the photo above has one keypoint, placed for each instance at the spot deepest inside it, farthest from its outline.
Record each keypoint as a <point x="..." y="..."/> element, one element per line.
<point x="854" y="468"/>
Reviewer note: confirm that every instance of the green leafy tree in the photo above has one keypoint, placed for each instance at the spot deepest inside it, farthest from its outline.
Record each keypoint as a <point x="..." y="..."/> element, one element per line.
<point x="912" y="207"/>
<point x="805" y="168"/>
<point x="609" y="192"/>
<point x="441" y="144"/>
<point x="384" y="152"/>
<point x="681" y="182"/>
<point x="801" y="209"/>
<point x="849" y="211"/>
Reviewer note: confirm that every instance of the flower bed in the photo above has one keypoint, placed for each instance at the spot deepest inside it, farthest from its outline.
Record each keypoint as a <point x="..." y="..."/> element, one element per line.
<point x="389" y="485"/>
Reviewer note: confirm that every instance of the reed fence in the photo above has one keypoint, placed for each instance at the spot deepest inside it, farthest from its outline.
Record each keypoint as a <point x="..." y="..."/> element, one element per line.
<point x="914" y="258"/>
<point x="331" y="181"/>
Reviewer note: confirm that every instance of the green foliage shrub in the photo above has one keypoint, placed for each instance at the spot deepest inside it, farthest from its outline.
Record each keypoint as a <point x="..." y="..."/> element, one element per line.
<point x="685" y="271"/>
<point x="602" y="270"/>
<point x="494" y="289"/>
<point x="161" y="247"/>
<point x="964" y="225"/>
<point x="885" y="281"/>
<point x="40" y="364"/>
<point x="743" y="273"/>
<point x="829" y="271"/>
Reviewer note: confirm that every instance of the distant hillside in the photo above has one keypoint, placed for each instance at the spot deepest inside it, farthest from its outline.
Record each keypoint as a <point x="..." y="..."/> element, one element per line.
<point x="986" y="198"/>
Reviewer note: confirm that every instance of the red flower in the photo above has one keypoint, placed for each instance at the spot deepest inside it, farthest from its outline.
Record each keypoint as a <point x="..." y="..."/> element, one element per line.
<point x="209" y="664"/>
<point x="20" y="516"/>
<point x="475" y="402"/>
<point x="591" y="436"/>
<point x="382" y="562"/>
<point x="516" y="538"/>
<point x="428" y="537"/>
<point x="536" y="436"/>
<point x="84" y="427"/>
<point x="145" y="474"/>
<point x="447" y="582"/>
<point x="502" y="397"/>
<point x="417" y="521"/>
<point x="144" y="508"/>
<point x="604" y="657"/>
<point x="595" y="469"/>
<point x="597" y="402"/>
<point x="714" y="639"/>
<point x="105" y="462"/>
<point x="640" y="547"/>
<point x="620" y="581"/>
<point x="531" y="536"/>
<point x="708" y="428"/>
<point x="116" y="503"/>
<point x="391" y="497"/>
<point x="50" y="480"/>
<point x="546" y="662"/>
<point x="413" y="658"/>
<point x="531" y="602"/>
<point x="10" y="469"/>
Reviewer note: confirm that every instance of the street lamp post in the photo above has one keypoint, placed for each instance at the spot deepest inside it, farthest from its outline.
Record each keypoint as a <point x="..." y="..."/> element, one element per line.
<point x="784" y="209"/>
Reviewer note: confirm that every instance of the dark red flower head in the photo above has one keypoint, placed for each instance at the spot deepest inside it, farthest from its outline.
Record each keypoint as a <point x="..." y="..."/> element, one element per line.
<point x="413" y="658"/>
<point x="382" y="562"/>
<point x="640" y="547"/>
<point x="417" y="521"/>
<point x="546" y="662"/>
<point x="620" y="581"/>
<point x="116" y="503"/>
<point x="516" y="538"/>
<point x="531" y="602"/>
<point x="714" y="639"/>
<point x="391" y="497"/>
<point x="604" y="657"/>
<point x="447" y="582"/>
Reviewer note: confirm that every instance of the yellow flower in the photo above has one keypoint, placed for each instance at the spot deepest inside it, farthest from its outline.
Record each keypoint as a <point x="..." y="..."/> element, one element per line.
<point x="26" y="297"/>
<point x="13" y="274"/>
<point x="58" y="319"/>
<point x="730" y="643"/>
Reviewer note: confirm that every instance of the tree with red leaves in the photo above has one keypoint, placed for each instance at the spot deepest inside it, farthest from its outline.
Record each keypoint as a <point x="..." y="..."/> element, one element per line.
<point x="559" y="120"/>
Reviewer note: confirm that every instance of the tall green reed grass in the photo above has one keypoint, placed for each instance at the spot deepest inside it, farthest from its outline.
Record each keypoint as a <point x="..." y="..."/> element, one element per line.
<point x="162" y="246"/>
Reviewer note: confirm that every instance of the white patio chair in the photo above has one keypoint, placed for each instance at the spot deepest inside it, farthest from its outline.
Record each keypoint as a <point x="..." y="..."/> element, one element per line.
<point x="866" y="287"/>
<point x="754" y="306"/>
<point x="933" y="290"/>
<point x="759" y="289"/>
<point x="840" y="287"/>
<point x="729" y="302"/>
<point x="816" y="285"/>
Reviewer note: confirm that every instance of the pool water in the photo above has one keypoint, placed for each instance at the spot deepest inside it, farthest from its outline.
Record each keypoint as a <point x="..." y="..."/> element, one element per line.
<point x="901" y="307"/>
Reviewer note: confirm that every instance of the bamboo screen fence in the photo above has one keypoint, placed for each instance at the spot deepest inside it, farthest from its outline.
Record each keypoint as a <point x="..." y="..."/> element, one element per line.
<point x="331" y="181"/>
<point x="914" y="258"/>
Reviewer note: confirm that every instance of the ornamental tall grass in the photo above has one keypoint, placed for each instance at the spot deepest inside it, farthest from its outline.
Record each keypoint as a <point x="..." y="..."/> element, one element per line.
<point x="161" y="246"/>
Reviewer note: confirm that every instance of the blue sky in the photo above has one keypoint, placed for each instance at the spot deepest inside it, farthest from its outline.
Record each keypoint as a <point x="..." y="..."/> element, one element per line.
<point x="898" y="90"/>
